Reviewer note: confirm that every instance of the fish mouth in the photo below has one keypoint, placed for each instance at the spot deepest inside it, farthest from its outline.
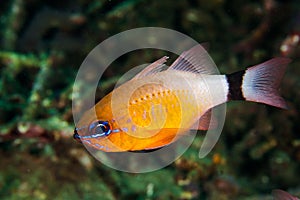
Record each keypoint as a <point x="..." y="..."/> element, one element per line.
<point x="76" y="136"/>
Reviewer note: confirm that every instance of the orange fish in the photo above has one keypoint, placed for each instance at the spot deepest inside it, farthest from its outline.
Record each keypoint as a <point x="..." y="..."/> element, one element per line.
<point x="157" y="106"/>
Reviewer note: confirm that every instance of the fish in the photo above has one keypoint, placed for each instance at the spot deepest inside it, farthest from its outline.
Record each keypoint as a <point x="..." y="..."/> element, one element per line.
<point x="282" y="195"/>
<point x="166" y="102"/>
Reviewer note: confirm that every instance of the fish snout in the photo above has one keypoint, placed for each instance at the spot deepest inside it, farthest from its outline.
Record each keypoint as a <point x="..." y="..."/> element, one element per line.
<point x="76" y="136"/>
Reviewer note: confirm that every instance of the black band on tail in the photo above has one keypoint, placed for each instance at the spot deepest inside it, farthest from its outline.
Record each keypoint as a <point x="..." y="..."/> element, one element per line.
<point x="235" y="81"/>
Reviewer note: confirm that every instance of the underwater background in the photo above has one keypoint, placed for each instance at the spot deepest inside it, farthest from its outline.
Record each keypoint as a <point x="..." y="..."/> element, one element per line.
<point x="42" y="45"/>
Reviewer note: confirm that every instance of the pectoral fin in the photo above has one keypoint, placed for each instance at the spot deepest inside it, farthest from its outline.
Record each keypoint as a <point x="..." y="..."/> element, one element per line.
<point x="207" y="121"/>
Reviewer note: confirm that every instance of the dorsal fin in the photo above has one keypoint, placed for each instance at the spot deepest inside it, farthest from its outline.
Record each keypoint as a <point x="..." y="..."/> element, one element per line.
<point x="195" y="60"/>
<point x="153" y="68"/>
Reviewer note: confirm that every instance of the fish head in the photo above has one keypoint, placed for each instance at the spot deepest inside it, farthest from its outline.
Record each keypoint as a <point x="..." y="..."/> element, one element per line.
<point x="95" y="135"/>
<point x="97" y="128"/>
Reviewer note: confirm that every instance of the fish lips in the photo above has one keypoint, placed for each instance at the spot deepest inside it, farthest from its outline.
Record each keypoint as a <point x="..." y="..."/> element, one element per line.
<point x="76" y="136"/>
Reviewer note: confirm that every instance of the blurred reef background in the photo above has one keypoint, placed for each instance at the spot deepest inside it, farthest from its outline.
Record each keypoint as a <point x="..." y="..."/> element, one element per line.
<point x="42" y="45"/>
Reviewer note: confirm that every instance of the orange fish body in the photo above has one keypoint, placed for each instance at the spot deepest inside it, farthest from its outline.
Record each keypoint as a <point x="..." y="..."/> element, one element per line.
<point x="153" y="116"/>
<point x="156" y="107"/>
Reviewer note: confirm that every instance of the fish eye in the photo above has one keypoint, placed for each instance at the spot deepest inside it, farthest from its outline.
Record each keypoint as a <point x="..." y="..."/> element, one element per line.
<point x="100" y="128"/>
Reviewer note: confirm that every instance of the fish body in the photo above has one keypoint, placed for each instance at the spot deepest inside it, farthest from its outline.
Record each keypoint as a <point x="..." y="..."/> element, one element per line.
<point x="156" y="107"/>
<point x="165" y="105"/>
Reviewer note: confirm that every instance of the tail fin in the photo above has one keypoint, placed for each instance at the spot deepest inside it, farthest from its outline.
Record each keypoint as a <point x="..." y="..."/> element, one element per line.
<point x="259" y="83"/>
